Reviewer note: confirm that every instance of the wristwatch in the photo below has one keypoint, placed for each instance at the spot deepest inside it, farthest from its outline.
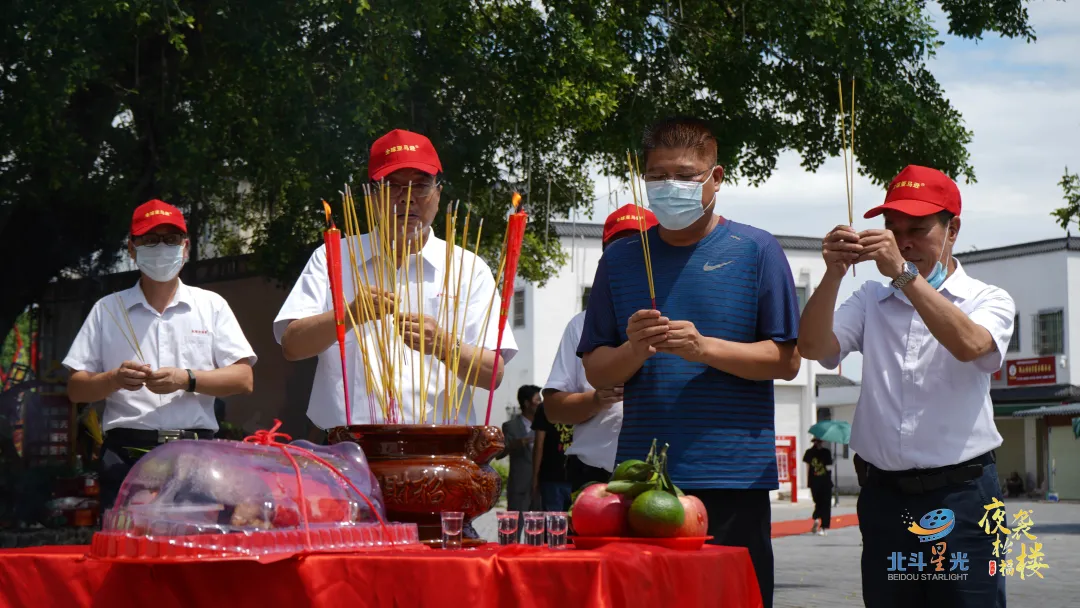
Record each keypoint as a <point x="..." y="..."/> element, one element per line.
<point x="907" y="276"/>
<point x="191" y="381"/>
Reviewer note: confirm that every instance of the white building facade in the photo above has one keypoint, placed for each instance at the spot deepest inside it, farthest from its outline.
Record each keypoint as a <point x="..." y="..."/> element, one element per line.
<point x="1035" y="394"/>
<point x="540" y="313"/>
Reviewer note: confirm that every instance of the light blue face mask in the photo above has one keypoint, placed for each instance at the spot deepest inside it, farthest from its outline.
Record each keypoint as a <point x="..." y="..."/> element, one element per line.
<point x="676" y="203"/>
<point x="941" y="271"/>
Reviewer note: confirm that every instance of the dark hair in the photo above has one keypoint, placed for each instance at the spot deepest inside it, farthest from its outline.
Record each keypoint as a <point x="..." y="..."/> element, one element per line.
<point x="526" y="392"/>
<point x="684" y="132"/>
<point x="944" y="217"/>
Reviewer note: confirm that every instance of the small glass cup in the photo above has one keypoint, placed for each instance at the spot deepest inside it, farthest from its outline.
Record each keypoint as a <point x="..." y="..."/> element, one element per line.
<point x="534" y="528"/>
<point x="451" y="529"/>
<point x="556" y="529"/>
<point x="508" y="527"/>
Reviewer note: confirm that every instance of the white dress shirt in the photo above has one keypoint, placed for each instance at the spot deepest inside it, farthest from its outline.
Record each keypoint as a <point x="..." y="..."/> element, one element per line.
<point x="197" y="331"/>
<point x="597" y="439"/>
<point x="920" y="407"/>
<point x="311" y="296"/>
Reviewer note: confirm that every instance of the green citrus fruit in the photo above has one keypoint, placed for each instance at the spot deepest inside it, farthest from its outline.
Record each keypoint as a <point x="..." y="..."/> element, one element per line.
<point x="656" y="514"/>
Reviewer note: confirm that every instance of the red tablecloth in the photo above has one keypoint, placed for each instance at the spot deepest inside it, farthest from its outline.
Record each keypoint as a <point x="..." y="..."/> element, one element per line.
<point x="490" y="576"/>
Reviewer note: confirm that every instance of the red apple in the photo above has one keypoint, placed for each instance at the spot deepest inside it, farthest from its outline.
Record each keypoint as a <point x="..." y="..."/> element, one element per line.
<point x="696" y="523"/>
<point x="598" y="512"/>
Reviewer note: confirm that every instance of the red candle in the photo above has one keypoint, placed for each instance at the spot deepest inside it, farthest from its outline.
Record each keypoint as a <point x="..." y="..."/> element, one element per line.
<point x="332" y="239"/>
<point x="515" y="233"/>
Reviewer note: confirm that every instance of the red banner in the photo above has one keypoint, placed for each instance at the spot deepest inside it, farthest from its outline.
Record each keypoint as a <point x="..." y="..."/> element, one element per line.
<point x="1041" y="370"/>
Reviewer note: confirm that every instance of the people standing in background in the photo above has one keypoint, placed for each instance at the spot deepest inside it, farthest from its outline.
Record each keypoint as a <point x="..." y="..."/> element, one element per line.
<point x="569" y="398"/>
<point x="818" y="460"/>
<point x="698" y="368"/>
<point x="549" y="461"/>
<point x="194" y="348"/>
<point x="924" y="432"/>
<point x="520" y="438"/>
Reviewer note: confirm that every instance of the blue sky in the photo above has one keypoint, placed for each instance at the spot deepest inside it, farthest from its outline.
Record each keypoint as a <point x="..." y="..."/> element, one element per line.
<point x="1022" y="101"/>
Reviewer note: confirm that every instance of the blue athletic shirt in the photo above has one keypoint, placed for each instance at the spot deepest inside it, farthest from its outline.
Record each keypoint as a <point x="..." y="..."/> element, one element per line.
<point x="736" y="285"/>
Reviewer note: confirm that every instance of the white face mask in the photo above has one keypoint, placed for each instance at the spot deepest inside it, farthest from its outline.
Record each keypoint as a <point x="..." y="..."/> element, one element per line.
<point x="161" y="262"/>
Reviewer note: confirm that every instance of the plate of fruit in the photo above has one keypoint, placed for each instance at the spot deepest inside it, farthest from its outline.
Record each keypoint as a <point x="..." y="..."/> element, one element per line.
<point x="639" y="505"/>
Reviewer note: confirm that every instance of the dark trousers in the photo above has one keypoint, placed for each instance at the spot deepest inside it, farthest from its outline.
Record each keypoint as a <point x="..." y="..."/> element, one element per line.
<point x="821" y="491"/>
<point x="899" y="569"/>
<point x="555" y="495"/>
<point x="579" y="473"/>
<point x="743" y="518"/>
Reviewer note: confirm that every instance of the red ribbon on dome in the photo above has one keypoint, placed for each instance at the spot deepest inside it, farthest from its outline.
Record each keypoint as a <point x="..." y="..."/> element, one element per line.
<point x="271" y="438"/>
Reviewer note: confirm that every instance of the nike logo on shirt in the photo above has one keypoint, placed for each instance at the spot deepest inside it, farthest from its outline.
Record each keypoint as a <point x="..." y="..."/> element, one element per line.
<point x="708" y="268"/>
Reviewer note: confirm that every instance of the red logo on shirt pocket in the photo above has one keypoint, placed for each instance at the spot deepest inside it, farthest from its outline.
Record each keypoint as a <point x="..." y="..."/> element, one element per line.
<point x="201" y="332"/>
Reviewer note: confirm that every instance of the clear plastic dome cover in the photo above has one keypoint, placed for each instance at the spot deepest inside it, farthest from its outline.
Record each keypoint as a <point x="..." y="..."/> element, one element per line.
<point x="228" y="499"/>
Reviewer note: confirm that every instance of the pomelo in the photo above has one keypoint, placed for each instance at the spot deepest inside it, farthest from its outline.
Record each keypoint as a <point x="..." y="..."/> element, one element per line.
<point x="656" y="514"/>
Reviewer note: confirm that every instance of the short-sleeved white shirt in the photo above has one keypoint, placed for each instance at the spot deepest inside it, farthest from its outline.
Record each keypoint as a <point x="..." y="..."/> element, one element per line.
<point x="197" y="331"/>
<point x="311" y="296"/>
<point x="920" y="407"/>
<point x="597" y="439"/>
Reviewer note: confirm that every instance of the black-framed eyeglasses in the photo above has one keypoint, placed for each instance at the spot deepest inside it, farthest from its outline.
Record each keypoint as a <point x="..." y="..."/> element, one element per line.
<point x="152" y="240"/>
<point x="418" y="190"/>
<point x="682" y="177"/>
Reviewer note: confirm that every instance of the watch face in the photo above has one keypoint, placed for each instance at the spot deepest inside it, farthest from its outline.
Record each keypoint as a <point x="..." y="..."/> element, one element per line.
<point x="911" y="268"/>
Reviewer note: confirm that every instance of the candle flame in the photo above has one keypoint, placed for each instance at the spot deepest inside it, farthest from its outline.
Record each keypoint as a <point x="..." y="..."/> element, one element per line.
<point x="326" y="209"/>
<point x="516" y="200"/>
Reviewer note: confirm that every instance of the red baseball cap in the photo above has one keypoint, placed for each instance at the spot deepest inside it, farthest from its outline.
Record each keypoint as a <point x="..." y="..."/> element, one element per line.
<point x="627" y="217"/>
<point x="920" y="191"/>
<point x="400" y="149"/>
<point x="154" y="213"/>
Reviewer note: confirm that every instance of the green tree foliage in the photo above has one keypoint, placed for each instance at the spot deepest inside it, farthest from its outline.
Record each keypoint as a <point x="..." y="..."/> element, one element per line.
<point x="246" y="112"/>
<point x="1070" y="187"/>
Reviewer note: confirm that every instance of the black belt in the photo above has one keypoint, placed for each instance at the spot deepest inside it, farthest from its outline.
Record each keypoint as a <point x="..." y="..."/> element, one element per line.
<point x="921" y="481"/>
<point x="143" y="437"/>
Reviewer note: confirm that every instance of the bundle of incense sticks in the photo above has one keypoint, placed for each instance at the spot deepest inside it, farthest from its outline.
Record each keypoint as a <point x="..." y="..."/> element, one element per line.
<point x="127" y="330"/>
<point x="849" y="158"/>
<point x="388" y="275"/>
<point x="635" y="192"/>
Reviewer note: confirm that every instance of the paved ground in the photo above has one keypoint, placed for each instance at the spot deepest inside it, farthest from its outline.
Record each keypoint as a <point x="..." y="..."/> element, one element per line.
<point x="824" y="571"/>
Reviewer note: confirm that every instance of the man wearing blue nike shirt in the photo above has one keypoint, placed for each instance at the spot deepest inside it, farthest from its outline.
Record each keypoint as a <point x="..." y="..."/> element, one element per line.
<point x="698" y="373"/>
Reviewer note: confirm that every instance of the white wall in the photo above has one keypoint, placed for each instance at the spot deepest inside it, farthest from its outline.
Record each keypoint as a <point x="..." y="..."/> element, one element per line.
<point x="1036" y="283"/>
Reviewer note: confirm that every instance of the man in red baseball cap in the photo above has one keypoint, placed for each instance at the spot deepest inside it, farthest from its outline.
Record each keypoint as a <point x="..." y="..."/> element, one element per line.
<point x="924" y="432"/>
<point x="158" y="353"/>
<point x="593" y="415"/>
<point x="406" y="164"/>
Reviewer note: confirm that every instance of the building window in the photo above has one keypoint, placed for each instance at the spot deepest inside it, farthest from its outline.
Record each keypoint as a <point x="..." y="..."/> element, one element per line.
<point x="800" y="292"/>
<point x="1014" y="341"/>
<point x="1050" y="333"/>
<point x="519" y="308"/>
<point x="585" y="293"/>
